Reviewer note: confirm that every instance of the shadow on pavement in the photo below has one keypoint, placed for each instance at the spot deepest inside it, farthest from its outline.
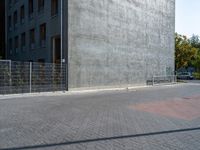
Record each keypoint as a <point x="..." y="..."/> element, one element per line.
<point x="101" y="139"/>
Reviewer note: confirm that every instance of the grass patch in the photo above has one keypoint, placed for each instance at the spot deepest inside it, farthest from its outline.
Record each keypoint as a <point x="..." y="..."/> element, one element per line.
<point x="196" y="75"/>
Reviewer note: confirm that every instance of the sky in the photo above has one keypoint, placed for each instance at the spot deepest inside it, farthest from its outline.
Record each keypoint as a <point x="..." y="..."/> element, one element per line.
<point x="188" y="17"/>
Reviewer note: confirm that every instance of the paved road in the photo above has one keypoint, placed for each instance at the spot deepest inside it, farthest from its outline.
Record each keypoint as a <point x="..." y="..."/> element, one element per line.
<point x="192" y="81"/>
<point x="158" y="118"/>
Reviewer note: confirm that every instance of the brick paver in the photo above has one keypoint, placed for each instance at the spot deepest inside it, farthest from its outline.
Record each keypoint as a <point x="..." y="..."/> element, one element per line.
<point x="55" y="122"/>
<point x="180" y="108"/>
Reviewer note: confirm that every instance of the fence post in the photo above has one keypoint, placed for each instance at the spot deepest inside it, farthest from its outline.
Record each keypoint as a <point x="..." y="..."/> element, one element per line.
<point x="153" y="81"/>
<point x="10" y="71"/>
<point x="66" y="77"/>
<point x="30" y="78"/>
<point x="61" y="76"/>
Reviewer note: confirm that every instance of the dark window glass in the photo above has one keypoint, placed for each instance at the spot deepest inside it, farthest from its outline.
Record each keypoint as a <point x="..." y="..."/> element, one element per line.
<point x="32" y="38"/>
<point x="30" y="7"/>
<point x="16" y="43"/>
<point x="9" y="22"/>
<point x="22" y="14"/>
<point x="23" y="40"/>
<point x="40" y="5"/>
<point x="54" y="7"/>
<point x="10" y="46"/>
<point x="10" y="4"/>
<point x="43" y="35"/>
<point x="15" y="18"/>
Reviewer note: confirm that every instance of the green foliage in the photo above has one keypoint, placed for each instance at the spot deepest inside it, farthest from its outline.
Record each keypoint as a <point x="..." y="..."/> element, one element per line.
<point x="196" y="75"/>
<point x="196" y="62"/>
<point x="187" y="52"/>
<point x="184" y="51"/>
<point x="195" y="41"/>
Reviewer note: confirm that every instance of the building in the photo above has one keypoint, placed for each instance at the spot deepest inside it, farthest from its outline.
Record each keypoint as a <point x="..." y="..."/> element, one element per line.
<point x="114" y="42"/>
<point x="107" y="43"/>
<point x="2" y="29"/>
<point x="33" y="28"/>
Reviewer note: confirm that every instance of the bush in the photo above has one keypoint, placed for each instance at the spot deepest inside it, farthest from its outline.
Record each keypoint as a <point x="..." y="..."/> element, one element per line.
<point x="196" y="75"/>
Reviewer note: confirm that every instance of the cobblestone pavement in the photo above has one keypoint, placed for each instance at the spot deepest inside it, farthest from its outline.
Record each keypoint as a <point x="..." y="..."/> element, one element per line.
<point x="157" y="118"/>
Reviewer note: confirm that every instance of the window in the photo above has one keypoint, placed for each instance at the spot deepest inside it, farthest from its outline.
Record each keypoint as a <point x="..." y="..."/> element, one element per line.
<point x="22" y="14"/>
<point x="40" y="5"/>
<point x="10" y="4"/>
<point x="10" y="46"/>
<point x="43" y="35"/>
<point x="16" y="44"/>
<point x="30" y="8"/>
<point x="32" y="38"/>
<point x="54" y="7"/>
<point x="10" y="23"/>
<point x="23" y="41"/>
<point x="15" y="19"/>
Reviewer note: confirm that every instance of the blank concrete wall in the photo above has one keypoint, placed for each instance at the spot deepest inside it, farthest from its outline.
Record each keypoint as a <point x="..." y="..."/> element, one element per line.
<point x="119" y="42"/>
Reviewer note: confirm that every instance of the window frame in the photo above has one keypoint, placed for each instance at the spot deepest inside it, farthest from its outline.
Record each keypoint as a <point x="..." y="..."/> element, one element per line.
<point x="23" y="41"/>
<point x="10" y="46"/>
<point x="43" y="36"/>
<point x="10" y="23"/>
<point x="41" y="4"/>
<point x="54" y="8"/>
<point x="15" y="19"/>
<point x="31" y="8"/>
<point x="22" y="14"/>
<point x="32" y="40"/>
<point x="16" y="43"/>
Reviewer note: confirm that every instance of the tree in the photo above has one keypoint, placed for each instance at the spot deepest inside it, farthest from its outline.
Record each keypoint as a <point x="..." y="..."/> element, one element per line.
<point x="196" y="62"/>
<point x="195" y="41"/>
<point x="184" y="51"/>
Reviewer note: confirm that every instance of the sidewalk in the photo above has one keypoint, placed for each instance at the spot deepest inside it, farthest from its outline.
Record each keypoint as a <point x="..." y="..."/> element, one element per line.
<point x="156" y="118"/>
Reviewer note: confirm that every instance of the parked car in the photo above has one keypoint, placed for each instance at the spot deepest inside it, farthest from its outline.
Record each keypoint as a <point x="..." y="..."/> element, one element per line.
<point x="185" y="76"/>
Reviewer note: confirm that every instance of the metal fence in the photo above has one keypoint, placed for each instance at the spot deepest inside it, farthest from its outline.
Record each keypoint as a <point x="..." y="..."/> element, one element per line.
<point x="30" y="77"/>
<point x="164" y="79"/>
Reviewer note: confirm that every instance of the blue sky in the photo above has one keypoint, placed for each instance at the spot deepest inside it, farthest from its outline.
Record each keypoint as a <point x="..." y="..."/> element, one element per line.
<point x="188" y="17"/>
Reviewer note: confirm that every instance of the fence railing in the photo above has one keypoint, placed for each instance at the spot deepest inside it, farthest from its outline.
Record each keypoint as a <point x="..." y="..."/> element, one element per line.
<point x="164" y="79"/>
<point x="29" y="77"/>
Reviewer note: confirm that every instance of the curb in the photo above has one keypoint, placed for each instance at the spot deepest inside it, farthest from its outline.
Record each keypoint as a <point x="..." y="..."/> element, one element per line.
<point x="80" y="92"/>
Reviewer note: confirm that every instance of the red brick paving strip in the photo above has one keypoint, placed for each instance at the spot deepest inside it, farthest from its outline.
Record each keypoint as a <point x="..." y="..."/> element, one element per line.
<point x="186" y="108"/>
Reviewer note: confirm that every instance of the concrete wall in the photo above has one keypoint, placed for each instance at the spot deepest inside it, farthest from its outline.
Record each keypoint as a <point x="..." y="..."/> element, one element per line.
<point x="119" y="42"/>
